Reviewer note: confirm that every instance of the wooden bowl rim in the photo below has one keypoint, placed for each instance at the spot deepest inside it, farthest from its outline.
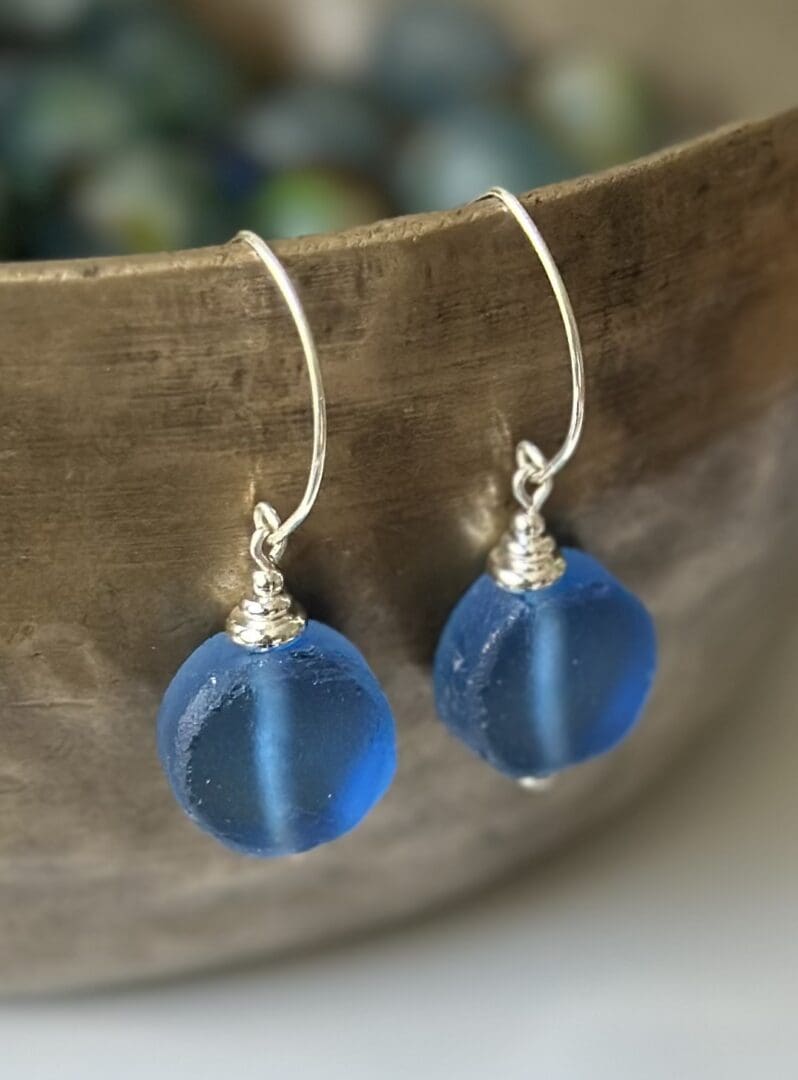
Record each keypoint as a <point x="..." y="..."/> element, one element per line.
<point x="386" y="232"/>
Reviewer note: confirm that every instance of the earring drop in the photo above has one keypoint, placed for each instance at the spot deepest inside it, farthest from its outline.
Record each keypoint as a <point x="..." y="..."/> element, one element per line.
<point x="546" y="660"/>
<point x="275" y="736"/>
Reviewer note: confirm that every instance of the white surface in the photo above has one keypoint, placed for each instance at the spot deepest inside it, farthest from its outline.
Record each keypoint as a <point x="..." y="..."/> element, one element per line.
<point x="663" y="948"/>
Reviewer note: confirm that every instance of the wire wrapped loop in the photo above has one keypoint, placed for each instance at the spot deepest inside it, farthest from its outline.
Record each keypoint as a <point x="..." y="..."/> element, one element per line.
<point x="531" y="484"/>
<point x="270" y="616"/>
<point x="264" y="551"/>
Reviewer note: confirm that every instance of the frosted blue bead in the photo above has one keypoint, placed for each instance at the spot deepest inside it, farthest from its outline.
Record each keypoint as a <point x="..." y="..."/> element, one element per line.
<point x="276" y="751"/>
<point x="536" y="681"/>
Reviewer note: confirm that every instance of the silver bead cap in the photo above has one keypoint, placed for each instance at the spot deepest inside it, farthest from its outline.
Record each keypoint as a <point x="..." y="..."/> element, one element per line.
<point x="526" y="557"/>
<point x="269" y="617"/>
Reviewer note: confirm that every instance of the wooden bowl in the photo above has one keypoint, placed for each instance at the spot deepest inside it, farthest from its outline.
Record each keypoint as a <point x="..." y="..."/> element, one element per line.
<point x="146" y="401"/>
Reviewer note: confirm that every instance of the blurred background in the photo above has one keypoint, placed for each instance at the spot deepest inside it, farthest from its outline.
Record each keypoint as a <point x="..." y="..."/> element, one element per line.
<point x="142" y="125"/>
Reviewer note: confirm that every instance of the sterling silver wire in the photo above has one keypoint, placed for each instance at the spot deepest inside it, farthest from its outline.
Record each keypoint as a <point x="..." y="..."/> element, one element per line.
<point x="275" y="535"/>
<point x="271" y="616"/>
<point x="533" y="468"/>
<point x="526" y="557"/>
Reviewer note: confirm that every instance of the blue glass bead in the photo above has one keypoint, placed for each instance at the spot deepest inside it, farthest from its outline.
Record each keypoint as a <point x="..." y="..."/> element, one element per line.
<point x="5" y="204"/>
<point x="177" y="77"/>
<point x="64" y="116"/>
<point x="440" y="53"/>
<point x="536" y="681"/>
<point x="469" y="149"/>
<point x="596" y="105"/>
<point x="276" y="751"/>
<point x="40" y="19"/>
<point x="311" y="124"/>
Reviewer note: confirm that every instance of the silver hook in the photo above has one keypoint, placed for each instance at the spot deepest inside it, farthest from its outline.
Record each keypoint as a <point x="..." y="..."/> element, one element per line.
<point x="533" y="466"/>
<point x="266" y="517"/>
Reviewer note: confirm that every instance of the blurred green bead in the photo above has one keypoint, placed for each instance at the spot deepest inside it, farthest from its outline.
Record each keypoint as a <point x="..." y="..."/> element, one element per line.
<point x="462" y="152"/>
<point x="597" y="106"/>
<point x="309" y="201"/>
<point x="40" y="18"/>
<point x="64" y="116"/>
<point x="308" y="124"/>
<point x="147" y="197"/>
<point x="177" y="77"/>
<point x="432" y="54"/>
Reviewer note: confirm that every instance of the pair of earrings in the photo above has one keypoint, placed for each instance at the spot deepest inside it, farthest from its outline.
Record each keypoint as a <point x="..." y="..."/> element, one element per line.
<point x="276" y="736"/>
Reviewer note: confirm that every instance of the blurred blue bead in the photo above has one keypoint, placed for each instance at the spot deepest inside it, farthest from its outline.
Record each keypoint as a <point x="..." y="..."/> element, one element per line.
<point x="12" y="76"/>
<point x="315" y="124"/>
<point x="177" y="77"/>
<point x="5" y="209"/>
<point x="462" y="152"/>
<point x="64" y="116"/>
<point x="441" y="53"/>
<point x="148" y="197"/>
<point x="537" y="681"/>
<point x="41" y="18"/>
<point x="305" y="202"/>
<point x="596" y="105"/>
<point x="276" y="751"/>
<point x="237" y="175"/>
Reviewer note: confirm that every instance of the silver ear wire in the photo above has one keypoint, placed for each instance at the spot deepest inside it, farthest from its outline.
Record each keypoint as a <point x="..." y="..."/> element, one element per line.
<point x="317" y="397"/>
<point x="549" y="468"/>
<point x="271" y="616"/>
<point x="526" y="557"/>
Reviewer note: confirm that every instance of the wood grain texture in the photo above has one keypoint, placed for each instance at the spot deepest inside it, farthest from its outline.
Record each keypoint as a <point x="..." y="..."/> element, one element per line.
<point x="146" y="401"/>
